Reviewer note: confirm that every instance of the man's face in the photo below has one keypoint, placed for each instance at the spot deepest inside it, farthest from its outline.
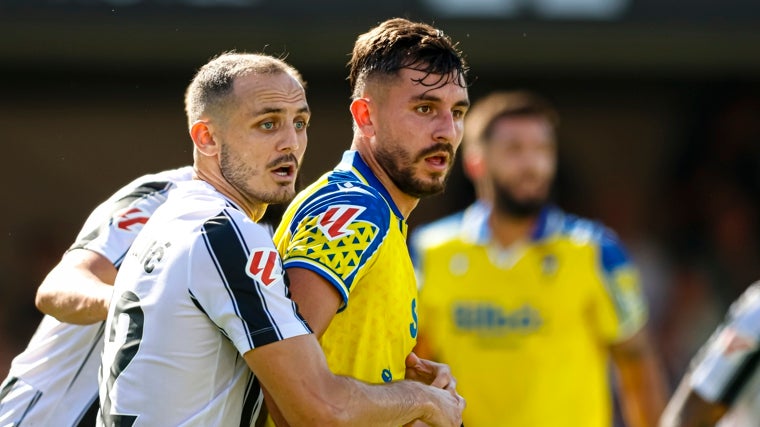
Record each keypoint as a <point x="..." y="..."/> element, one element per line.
<point x="263" y="136"/>
<point x="418" y="128"/>
<point x="521" y="161"/>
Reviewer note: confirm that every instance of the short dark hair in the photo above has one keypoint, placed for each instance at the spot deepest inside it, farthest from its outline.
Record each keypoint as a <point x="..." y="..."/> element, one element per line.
<point x="210" y="88"/>
<point x="399" y="43"/>
<point x="485" y="112"/>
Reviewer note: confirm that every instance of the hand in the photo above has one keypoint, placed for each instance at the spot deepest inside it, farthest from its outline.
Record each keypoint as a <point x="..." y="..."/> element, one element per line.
<point x="447" y="411"/>
<point x="431" y="373"/>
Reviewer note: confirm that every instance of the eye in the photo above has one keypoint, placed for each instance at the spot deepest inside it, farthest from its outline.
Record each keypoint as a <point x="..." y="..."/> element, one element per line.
<point x="424" y="109"/>
<point x="269" y="125"/>
<point x="458" y="114"/>
<point x="300" y="124"/>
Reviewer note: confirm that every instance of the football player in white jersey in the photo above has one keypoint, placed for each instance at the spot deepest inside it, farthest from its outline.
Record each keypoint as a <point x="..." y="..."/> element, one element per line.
<point x="200" y="317"/>
<point x="722" y="386"/>
<point x="54" y="380"/>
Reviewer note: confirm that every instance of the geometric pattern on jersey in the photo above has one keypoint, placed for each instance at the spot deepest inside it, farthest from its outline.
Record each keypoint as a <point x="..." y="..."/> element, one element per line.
<point x="540" y="314"/>
<point x="727" y="368"/>
<point x="341" y="256"/>
<point x="57" y="374"/>
<point x="201" y="286"/>
<point x="346" y="228"/>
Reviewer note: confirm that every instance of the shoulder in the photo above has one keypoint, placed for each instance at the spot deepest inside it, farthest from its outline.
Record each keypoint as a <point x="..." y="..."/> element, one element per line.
<point x="197" y="211"/>
<point x="154" y="182"/>
<point x="584" y="231"/>
<point x="341" y="202"/>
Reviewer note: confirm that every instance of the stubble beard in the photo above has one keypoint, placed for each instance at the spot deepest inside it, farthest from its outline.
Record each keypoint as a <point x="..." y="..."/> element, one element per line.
<point x="400" y="169"/>
<point x="237" y="173"/>
<point x="506" y="202"/>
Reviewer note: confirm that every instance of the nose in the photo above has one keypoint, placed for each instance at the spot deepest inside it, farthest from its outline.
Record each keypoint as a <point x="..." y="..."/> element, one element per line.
<point x="290" y="140"/>
<point x="446" y="128"/>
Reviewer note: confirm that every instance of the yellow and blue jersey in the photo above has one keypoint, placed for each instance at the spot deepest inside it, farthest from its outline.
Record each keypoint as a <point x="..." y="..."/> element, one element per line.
<point x="346" y="228"/>
<point x="526" y="329"/>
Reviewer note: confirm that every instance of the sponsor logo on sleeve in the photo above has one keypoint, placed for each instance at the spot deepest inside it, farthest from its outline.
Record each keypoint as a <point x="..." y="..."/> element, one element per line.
<point x="335" y="220"/>
<point x="264" y="265"/>
<point x="130" y="219"/>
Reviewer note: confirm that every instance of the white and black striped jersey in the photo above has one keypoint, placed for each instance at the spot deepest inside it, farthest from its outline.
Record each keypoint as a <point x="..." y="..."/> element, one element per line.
<point x="53" y="382"/>
<point x="201" y="286"/>
<point x="727" y="369"/>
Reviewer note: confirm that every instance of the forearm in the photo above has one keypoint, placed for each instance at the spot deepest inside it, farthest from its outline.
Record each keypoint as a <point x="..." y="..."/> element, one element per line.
<point x="356" y="403"/>
<point x="78" y="289"/>
<point x="392" y="404"/>
<point x="642" y="385"/>
<point x="82" y="303"/>
<point x="644" y="397"/>
<point x="306" y="393"/>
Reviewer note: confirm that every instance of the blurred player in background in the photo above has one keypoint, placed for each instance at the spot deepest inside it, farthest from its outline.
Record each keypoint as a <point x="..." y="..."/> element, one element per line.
<point x="54" y="380"/>
<point x="200" y="316"/>
<point x="525" y="302"/>
<point x="343" y="239"/>
<point x="722" y="385"/>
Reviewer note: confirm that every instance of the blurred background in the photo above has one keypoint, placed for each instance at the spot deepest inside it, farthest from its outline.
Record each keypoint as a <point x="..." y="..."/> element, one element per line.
<point x="660" y="133"/>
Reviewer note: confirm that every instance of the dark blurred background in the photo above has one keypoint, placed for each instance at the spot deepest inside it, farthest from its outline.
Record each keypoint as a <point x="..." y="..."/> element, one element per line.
<point x="660" y="134"/>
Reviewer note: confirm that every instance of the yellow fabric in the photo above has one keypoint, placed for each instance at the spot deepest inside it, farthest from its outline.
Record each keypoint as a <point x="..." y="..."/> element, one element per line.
<point x="526" y="330"/>
<point x="346" y="228"/>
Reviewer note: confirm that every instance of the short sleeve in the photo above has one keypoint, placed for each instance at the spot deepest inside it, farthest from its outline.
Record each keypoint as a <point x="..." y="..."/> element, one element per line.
<point x="622" y="288"/>
<point x="238" y="281"/>
<point x="113" y="225"/>
<point x="335" y="233"/>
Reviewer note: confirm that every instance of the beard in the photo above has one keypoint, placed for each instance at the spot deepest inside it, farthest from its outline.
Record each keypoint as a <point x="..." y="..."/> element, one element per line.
<point x="400" y="169"/>
<point x="237" y="173"/>
<point x="507" y="203"/>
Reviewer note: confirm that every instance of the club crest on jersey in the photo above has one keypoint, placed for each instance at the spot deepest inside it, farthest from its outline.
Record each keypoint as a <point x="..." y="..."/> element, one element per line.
<point x="264" y="265"/>
<point x="130" y="219"/>
<point x="549" y="265"/>
<point x="334" y="220"/>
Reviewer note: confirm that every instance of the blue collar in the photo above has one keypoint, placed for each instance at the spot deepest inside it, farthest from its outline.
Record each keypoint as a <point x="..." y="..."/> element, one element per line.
<point x="352" y="162"/>
<point x="476" y="229"/>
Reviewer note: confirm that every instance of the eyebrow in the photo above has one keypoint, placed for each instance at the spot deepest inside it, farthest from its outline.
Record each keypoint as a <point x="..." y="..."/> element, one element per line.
<point x="426" y="97"/>
<point x="302" y="110"/>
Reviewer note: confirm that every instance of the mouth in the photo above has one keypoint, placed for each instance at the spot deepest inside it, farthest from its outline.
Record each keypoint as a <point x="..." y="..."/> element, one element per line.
<point x="438" y="161"/>
<point x="285" y="171"/>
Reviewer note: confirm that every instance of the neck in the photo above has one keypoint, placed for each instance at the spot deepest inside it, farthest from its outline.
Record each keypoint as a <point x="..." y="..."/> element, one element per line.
<point x="253" y="208"/>
<point x="403" y="201"/>
<point x="508" y="229"/>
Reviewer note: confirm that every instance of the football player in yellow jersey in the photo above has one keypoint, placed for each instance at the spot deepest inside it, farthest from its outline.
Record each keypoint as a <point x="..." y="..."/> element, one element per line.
<point x="343" y="239"/>
<point x="526" y="303"/>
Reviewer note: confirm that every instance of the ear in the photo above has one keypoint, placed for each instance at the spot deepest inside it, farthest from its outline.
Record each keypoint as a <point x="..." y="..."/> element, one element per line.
<point x="204" y="142"/>
<point x="360" y="111"/>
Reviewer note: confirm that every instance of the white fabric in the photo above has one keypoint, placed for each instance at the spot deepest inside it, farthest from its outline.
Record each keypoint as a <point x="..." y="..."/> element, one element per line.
<point x="201" y="286"/>
<point x="727" y="369"/>
<point x="54" y="380"/>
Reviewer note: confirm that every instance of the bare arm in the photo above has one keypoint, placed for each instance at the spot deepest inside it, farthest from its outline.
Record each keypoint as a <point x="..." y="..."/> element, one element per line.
<point x="317" y="299"/>
<point x="642" y="385"/>
<point x="77" y="290"/>
<point x="295" y="373"/>
<point x="687" y="409"/>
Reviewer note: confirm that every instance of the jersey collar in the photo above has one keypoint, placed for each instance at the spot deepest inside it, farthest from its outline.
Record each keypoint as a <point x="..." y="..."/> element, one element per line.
<point x="476" y="229"/>
<point x="353" y="162"/>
